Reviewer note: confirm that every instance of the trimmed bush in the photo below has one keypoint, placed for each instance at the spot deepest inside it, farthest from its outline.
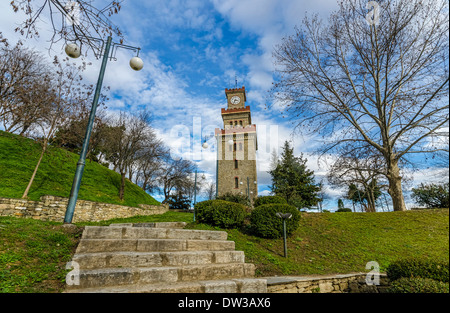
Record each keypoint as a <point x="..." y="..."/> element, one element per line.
<point x="220" y="213"/>
<point x="269" y="200"/>
<point x="203" y="211"/>
<point x="265" y="223"/>
<point x="418" y="285"/>
<point x="344" y="210"/>
<point x="418" y="268"/>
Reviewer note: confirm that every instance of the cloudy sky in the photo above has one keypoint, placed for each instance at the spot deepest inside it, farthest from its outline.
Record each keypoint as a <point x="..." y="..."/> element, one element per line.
<point x="193" y="50"/>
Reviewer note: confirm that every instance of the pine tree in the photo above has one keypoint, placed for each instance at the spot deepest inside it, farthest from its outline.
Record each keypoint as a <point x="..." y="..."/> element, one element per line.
<point x="293" y="181"/>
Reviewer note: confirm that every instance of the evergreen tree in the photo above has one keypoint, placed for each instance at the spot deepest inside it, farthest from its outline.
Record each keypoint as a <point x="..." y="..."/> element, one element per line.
<point x="293" y="181"/>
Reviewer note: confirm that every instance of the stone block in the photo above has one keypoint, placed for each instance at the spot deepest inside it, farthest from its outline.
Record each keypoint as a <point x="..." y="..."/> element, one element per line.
<point x="251" y="285"/>
<point x="325" y="286"/>
<point x="226" y="286"/>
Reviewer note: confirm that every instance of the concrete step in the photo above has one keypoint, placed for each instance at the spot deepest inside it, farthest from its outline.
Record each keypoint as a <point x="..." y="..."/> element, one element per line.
<point x="121" y="232"/>
<point x="130" y="276"/>
<point x="150" y="245"/>
<point x="149" y="259"/>
<point x="156" y="224"/>
<point x="240" y="285"/>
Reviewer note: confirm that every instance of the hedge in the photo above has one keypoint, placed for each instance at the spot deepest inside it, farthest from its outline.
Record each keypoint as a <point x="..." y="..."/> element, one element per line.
<point x="418" y="285"/>
<point x="418" y="268"/>
<point x="269" y="200"/>
<point x="264" y="222"/>
<point x="220" y="213"/>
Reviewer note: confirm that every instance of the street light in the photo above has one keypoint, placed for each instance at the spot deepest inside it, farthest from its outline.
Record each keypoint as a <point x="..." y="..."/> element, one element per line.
<point x="73" y="51"/>
<point x="205" y="146"/>
<point x="136" y="63"/>
<point x="109" y="52"/>
<point x="284" y="217"/>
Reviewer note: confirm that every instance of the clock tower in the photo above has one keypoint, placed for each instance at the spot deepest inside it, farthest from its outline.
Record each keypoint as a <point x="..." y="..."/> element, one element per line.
<point x="237" y="145"/>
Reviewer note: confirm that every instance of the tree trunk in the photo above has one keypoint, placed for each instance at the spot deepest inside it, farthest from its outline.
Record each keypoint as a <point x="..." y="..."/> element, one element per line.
<point x="395" y="186"/>
<point x="122" y="186"/>
<point x="44" y="148"/>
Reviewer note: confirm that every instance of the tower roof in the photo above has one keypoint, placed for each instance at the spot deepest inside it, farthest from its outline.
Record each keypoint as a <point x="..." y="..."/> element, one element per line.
<point x="236" y="90"/>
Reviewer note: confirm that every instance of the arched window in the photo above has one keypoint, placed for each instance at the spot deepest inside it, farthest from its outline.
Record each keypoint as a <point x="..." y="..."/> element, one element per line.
<point x="236" y="182"/>
<point x="236" y="164"/>
<point x="240" y="146"/>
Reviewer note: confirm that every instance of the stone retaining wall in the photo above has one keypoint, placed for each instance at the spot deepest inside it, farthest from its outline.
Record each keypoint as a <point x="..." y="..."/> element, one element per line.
<point x="346" y="283"/>
<point x="52" y="208"/>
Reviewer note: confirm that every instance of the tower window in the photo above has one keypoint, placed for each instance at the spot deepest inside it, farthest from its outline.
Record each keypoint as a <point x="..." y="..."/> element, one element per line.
<point x="236" y="164"/>
<point x="236" y="182"/>
<point x="234" y="146"/>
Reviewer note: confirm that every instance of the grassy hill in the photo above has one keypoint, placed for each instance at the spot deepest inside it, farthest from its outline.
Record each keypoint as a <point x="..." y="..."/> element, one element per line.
<point x="327" y="243"/>
<point x="18" y="157"/>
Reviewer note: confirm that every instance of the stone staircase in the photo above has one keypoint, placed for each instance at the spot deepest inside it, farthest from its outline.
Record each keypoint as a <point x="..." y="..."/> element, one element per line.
<point x="161" y="257"/>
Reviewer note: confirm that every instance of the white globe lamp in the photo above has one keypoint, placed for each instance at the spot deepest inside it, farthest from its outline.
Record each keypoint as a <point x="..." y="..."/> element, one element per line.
<point x="73" y="51"/>
<point x="136" y="63"/>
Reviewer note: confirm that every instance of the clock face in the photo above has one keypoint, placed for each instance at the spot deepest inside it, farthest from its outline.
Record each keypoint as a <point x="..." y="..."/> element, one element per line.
<point x="235" y="100"/>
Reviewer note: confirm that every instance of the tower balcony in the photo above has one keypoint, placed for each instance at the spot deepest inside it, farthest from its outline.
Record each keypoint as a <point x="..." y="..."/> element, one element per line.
<point x="236" y="110"/>
<point x="235" y="129"/>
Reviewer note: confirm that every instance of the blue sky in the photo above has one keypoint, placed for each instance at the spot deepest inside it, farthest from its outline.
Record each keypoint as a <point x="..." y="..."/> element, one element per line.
<point x="192" y="51"/>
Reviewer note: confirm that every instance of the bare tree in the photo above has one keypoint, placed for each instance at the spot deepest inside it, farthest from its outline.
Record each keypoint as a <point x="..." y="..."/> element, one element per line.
<point x="175" y="174"/>
<point x="210" y="190"/>
<point x="71" y="20"/>
<point x="368" y="79"/>
<point x="64" y="93"/>
<point x="358" y="169"/>
<point x="132" y="136"/>
<point x="23" y="78"/>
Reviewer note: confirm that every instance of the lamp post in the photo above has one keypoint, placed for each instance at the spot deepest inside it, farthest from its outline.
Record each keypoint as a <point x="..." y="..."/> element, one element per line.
<point x="284" y="217"/>
<point x="74" y="51"/>
<point x="205" y="146"/>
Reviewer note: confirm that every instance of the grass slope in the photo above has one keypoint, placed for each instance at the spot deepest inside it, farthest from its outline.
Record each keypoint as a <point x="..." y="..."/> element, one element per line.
<point x="33" y="253"/>
<point x="18" y="157"/>
<point x="327" y="243"/>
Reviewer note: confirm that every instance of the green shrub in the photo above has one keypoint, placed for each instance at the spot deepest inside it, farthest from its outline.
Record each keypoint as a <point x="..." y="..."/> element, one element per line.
<point x="269" y="200"/>
<point x="178" y="202"/>
<point x="344" y="210"/>
<point x="220" y="213"/>
<point x="418" y="285"/>
<point x="418" y="268"/>
<point x="203" y="211"/>
<point x="265" y="223"/>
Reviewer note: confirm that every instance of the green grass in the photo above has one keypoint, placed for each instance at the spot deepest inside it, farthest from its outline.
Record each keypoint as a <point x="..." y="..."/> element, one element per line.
<point x="18" y="157"/>
<point x="33" y="253"/>
<point x="327" y="243"/>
